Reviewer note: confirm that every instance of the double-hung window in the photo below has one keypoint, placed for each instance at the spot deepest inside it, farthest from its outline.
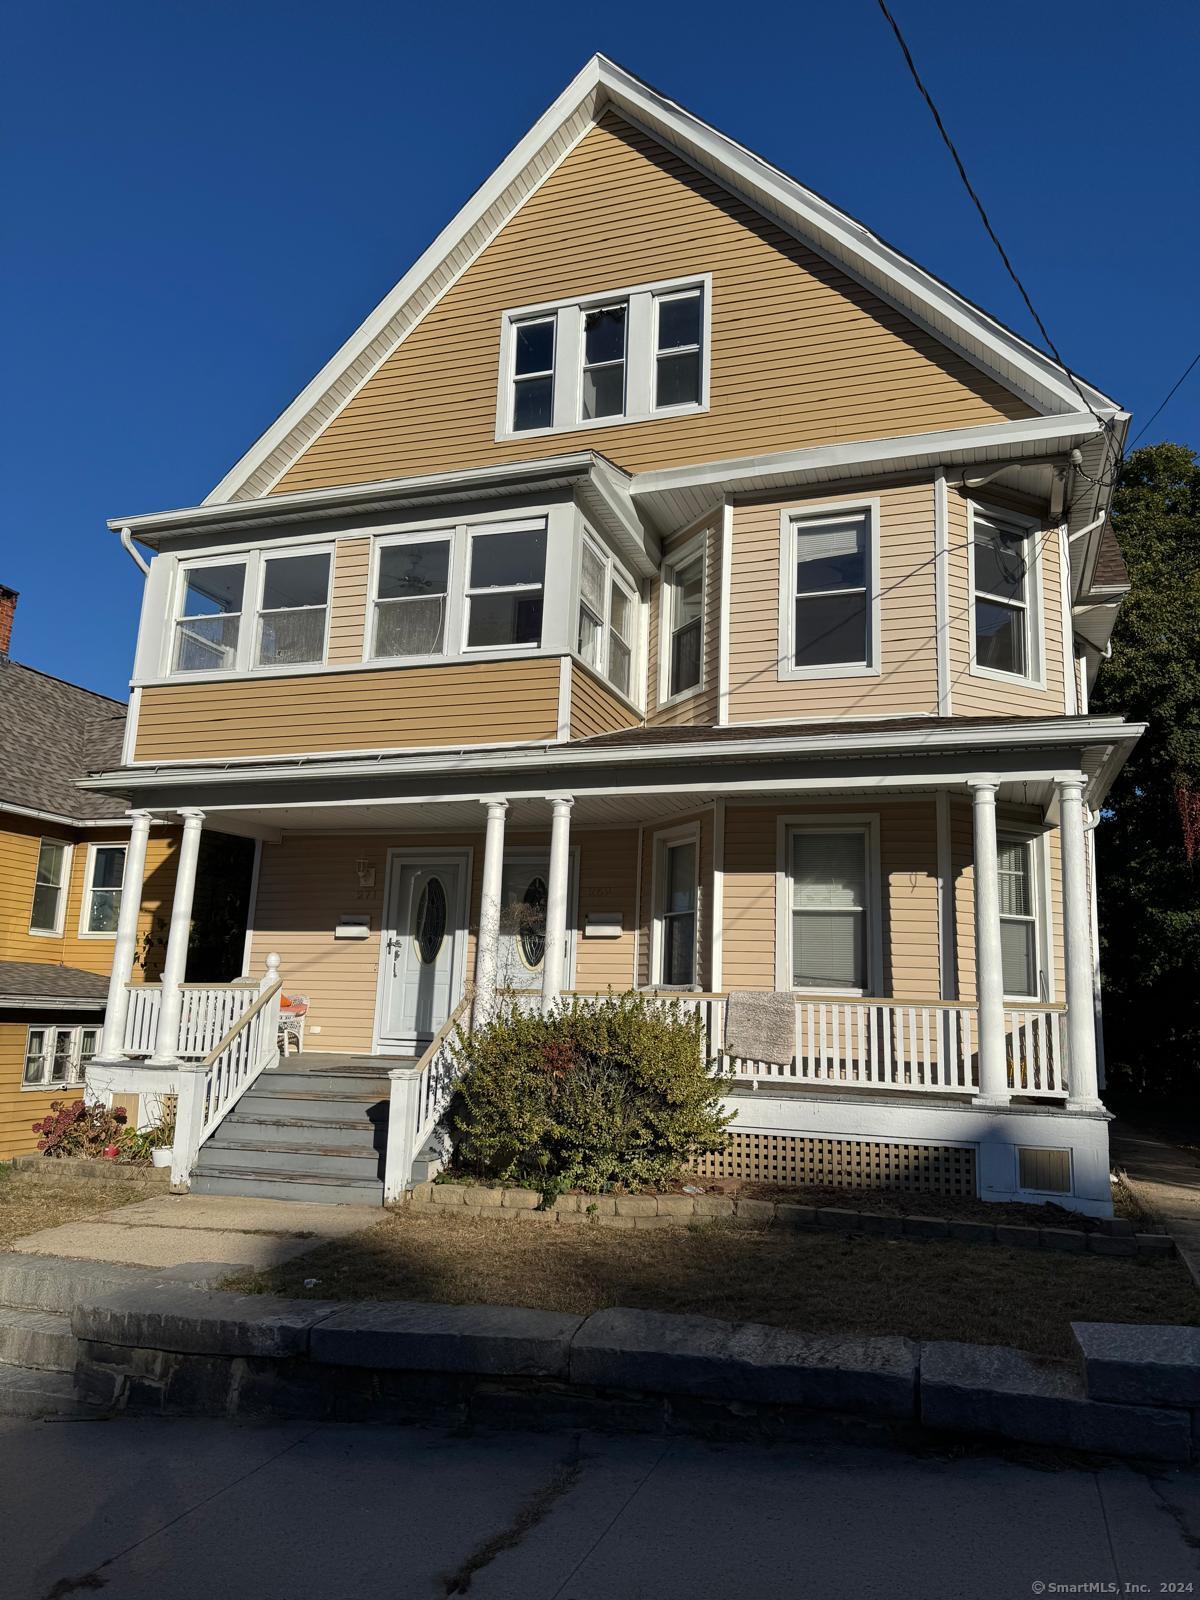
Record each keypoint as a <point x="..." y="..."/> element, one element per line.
<point x="102" y="890"/>
<point x="506" y="574"/>
<point x="55" y="1056"/>
<point x="1019" y="958"/>
<point x="412" y="584"/>
<point x="286" y="593"/>
<point x="829" y="875"/>
<point x="50" y="887"/>
<point x="623" y="356"/>
<point x="683" y="606"/>
<point x="606" y="618"/>
<point x="1004" y="600"/>
<point x="676" y="914"/>
<point x="829" y="562"/>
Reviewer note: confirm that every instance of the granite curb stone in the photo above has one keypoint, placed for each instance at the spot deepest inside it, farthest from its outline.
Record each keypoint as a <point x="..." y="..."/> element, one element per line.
<point x="201" y="1321"/>
<point x="1140" y="1363"/>
<point x="507" y="1341"/>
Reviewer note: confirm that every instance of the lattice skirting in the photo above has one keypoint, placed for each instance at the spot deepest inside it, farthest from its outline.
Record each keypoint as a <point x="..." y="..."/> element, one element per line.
<point x="843" y="1164"/>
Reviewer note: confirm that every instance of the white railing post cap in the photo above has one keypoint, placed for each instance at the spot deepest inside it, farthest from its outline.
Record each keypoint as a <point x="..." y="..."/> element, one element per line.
<point x="273" y="962"/>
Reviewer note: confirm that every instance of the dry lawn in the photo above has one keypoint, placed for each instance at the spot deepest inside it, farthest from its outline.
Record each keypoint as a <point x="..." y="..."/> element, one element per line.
<point x="820" y="1282"/>
<point x="33" y="1200"/>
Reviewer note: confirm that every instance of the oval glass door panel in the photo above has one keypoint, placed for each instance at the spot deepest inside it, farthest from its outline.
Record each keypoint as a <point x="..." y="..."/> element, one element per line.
<point x="531" y="941"/>
<point x="429" y="924"/>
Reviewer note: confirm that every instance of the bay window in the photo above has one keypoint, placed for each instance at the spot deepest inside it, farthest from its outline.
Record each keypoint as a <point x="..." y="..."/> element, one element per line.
<point x="1004" y="595"/>
<point x="683" y="623"/>
<point x="829" y="562"/>
<point x="506" y="573"/>
<point x="605" y="636"/>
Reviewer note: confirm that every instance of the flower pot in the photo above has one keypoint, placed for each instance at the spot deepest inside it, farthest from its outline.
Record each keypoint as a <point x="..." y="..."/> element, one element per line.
<point x="161" y="1158"/>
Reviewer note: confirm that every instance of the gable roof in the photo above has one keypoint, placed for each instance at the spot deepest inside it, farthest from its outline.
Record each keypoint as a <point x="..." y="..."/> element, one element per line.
<point x="922" y="297"/>
<point x="52" y="734"/>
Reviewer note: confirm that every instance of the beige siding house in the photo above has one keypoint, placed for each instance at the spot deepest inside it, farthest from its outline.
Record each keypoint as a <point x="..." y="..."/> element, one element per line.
<point x="671" y="587"/>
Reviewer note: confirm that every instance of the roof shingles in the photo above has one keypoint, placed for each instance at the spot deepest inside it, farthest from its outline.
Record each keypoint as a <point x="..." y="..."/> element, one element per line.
<point x="52" y="734"/>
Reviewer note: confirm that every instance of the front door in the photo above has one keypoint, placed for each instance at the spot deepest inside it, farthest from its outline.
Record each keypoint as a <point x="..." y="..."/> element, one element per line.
<point x="421" y="952"/>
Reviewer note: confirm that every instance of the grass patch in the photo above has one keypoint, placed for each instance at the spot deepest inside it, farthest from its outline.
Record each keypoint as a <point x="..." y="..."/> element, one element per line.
<point x="819" y="1282"/>
<point x="30" y="1201"/>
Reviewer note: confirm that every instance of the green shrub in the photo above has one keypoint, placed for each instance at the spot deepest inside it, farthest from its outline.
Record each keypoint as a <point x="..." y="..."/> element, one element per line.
<point x="598" y="1093"/>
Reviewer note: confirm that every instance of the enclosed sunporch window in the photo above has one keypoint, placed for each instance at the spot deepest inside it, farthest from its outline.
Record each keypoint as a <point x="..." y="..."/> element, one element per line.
<point x="505" y="588"/>
<point x="210" y="618"/>
<point x="293" y="609"/>
<point x="606" y="618"/>
<point x="411" y="589"/>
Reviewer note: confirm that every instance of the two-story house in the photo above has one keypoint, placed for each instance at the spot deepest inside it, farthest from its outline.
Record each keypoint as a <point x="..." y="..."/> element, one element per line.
<point x="671" y="586"/>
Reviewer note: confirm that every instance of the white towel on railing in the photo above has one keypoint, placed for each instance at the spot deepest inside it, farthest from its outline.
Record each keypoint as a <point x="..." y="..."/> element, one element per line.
<point x="760" y="1025"/>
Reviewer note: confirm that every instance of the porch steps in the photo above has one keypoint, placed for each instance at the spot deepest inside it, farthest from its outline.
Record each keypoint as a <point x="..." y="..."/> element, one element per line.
<point x="302" y="1135"/>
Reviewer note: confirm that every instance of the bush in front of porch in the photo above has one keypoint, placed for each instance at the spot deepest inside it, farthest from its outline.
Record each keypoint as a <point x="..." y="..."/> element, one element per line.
<point x="592" y="1095"/>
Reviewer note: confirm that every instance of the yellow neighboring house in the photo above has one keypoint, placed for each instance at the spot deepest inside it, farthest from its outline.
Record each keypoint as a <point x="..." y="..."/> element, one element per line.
<point x="62" y="861"/>
<point x="671" y="586"/>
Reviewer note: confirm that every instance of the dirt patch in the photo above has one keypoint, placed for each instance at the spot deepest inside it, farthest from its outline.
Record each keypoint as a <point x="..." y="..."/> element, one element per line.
<point x="817" y="1282"/>
<point x="34" y="1199"/>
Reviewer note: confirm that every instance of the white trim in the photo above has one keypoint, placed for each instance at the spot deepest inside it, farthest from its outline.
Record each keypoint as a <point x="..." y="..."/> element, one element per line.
<point x="790" y="519"/>
<point x="716" y="935"/>
<point x="1034" y="676"/>
<point x="947" y="909"/>
<point x="85" y="898"/>
<point x="864" y="822"/>
<point x="679" y="556"/>
<point x="725" y="600"/>
<point x="941" y="592"/>
<point x="563" y="732"/>
<point x="663" y="839"/>
<point x="57" y="818"/>
<point x="64" y="889"/>
<point x="129" y="734"/>
<point x="1070" y="693"/>
<point x="637" y="910"/>
<point x="640" y="360"/>
<point x="252" y="905"/>
<point x="464" y="857"/>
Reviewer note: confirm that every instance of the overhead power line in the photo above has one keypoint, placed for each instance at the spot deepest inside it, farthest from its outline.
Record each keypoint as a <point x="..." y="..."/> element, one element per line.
<point x="984" y="218"/>
<point x="1178" y="384"/>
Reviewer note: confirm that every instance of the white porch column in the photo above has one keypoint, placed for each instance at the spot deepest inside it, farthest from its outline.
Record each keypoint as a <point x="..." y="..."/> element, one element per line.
<point x="556" y="902"/>
<point x="112" y="1047"/>
<point x="175" y="961"/>
<point x="989" y="971"/>
<point x="1083" y="1093"/>
<point x="488" y="940"/>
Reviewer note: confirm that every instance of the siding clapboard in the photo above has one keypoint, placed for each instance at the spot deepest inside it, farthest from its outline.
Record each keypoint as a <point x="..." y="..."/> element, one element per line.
<point x="594" y="708"/>
<point x="701" y="708"/>
<point x="801" y="354"/>
<point x="348" y="600"/>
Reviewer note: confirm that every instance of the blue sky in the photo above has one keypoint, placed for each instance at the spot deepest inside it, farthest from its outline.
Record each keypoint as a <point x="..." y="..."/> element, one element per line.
<point x="203" y="201"/>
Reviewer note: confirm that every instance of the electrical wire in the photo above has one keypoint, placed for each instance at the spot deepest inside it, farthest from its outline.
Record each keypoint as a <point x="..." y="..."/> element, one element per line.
<point x="1170" y="395"/>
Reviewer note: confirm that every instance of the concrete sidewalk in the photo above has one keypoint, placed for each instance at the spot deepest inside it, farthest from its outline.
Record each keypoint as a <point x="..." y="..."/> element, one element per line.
<point x="141" y="1509"/>
<point x="1166" y="1180"/>
<point x="171" y="1230"/>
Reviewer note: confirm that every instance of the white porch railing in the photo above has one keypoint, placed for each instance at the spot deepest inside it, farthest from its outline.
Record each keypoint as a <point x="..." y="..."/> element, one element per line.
<point x="209" y="1089"/>
<point x="418" y="1100"/>
<point x="209" y="1011"/>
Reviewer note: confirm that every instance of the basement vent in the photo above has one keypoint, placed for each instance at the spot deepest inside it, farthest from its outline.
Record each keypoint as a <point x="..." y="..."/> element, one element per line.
<point x="844" y="1164"/>
<point x="1047" y="1170"/>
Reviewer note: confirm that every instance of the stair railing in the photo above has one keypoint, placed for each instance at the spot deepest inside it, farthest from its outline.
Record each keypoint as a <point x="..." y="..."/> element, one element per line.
<point x="209" y="1089"/>
<point x="419" y="1097"/>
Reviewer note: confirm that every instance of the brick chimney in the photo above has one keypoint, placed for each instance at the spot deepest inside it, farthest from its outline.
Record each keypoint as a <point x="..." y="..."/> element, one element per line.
<point x="8" y="606"/>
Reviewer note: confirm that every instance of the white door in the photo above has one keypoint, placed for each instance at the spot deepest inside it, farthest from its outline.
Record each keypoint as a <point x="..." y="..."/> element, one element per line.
<point x="420" y="951"/>
<point x="522" y="951"/>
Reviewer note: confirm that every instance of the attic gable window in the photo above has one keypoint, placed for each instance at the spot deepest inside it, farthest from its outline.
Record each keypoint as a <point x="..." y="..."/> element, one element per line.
<point x="625" y="356"/>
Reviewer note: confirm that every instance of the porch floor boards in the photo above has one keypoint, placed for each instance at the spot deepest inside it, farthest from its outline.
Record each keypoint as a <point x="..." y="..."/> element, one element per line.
<point x="359" y="1066"/>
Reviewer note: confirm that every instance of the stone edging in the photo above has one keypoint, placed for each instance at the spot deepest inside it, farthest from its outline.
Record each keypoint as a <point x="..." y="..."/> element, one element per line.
<point x="92" y="1167"/>
<point x="1114" y="1236"/>
<point x="165" y="1347"/>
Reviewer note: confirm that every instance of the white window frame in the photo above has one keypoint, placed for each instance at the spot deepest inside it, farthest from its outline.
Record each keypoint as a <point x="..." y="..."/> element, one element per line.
<point x="254" y="561"/>
<point x="584" y="364"/>
<point x="641" y="342"/>
<point x="614" y="573"/>
<point x="866" y="823"/>
<point x="77" y="1030"/>
<point x="85" y="902"/>
<point x="64" y="889"/>
<point x="489" y="530"/>
<point x="790" y="518"/>
<point x="1039" y="890"/>
<point x="1035" y="644"/>
<point x="677" y="559"/>
<point x="450" y="621"/>
<point x="661" y="842"/>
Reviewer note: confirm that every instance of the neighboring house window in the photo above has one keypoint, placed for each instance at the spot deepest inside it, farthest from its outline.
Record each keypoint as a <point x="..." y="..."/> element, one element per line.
<point x="1018" y="918"/>
<point x="829" y="877"/>
<point x="1003" y="563"/>
<point x="533" y="374"/>
<point x="604" y="361"/>
<point x="676" y="914"/>
<point x="505" y="583"/>
<point x="606" y="618"/>
<point x="830" y="601"/>
<point x="102" y="890"/>
<point x="293" y="609"/>
<point x="683" y="603"/>
<point x="210" y="618"/>
<point x="411" y="588"/>
<point x="56" y="1056"/>
<point x="50" y="887"/>
<point x="623" y="356"/>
